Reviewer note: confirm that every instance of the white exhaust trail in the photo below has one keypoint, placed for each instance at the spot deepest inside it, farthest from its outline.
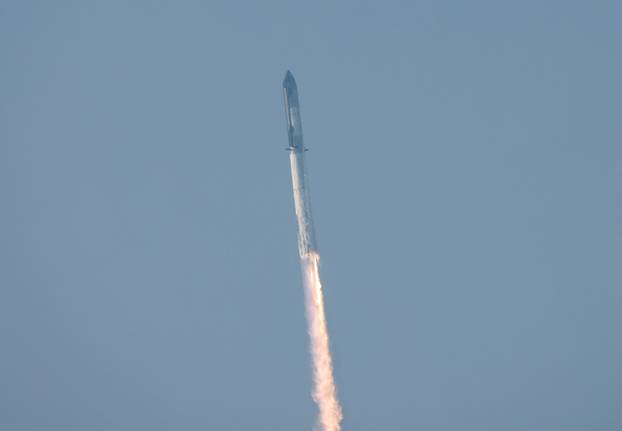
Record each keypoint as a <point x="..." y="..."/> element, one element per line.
<point x="324" y="390"/>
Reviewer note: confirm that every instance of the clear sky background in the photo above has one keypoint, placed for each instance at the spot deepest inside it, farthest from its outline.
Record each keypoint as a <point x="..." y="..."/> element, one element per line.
<point x="465" y="169"/>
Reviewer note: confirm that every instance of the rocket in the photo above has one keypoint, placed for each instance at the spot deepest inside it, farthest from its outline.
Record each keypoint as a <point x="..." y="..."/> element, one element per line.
<point x="325" y="390"/>
<point x="296" y="148"/>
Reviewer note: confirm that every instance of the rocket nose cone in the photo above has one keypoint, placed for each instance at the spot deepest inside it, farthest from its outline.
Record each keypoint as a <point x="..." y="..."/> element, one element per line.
<point x="289" y="80"/>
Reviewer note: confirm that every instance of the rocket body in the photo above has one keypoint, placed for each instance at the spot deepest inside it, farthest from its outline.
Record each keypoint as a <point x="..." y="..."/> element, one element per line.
<point x="302" y="200"/>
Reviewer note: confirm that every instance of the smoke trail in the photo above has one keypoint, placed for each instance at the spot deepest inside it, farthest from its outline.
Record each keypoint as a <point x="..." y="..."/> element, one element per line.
<point x="324" y="391"/>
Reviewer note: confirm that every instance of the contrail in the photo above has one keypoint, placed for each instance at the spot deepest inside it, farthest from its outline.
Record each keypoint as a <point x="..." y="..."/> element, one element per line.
<point x="324" y="388"/>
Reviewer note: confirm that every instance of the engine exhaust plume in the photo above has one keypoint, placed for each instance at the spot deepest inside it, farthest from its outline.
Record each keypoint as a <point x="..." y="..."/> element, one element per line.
<point x="324" y="389"/>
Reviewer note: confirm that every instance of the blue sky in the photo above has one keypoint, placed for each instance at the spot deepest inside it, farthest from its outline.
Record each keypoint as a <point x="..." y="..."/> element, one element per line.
<point x="465" y="169"/>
